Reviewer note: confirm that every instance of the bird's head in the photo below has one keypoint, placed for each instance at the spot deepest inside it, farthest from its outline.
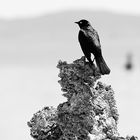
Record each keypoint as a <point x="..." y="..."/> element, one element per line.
<point x="83" y="23"/>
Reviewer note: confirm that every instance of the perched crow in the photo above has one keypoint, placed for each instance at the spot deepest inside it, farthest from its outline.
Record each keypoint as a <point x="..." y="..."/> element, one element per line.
<point x="90" y="43"/>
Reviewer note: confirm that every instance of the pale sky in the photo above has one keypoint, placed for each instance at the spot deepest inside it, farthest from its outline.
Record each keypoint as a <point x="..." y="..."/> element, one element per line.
<point x="27" y="8"/>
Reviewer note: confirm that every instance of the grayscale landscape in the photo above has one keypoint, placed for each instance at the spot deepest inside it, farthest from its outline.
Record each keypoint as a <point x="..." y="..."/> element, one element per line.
<point x="30" y="49"/>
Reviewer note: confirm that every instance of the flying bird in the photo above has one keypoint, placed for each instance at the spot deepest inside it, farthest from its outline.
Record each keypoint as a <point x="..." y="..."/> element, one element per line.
<point x="129" y="63"/>
<point x="90" y="44"/>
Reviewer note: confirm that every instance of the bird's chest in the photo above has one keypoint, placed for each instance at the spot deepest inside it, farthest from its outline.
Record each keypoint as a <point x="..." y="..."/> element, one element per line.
<point x="86" y="40"/>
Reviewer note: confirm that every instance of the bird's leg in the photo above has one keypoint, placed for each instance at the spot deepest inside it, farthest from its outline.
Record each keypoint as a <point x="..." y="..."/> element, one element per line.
<point x="93" y="59"/>
<point x="91" y="65"/>
<point x="90" y="61"/>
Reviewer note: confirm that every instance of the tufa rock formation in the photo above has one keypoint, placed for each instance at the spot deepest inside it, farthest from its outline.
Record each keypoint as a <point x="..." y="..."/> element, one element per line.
<point x="90" y="112"/>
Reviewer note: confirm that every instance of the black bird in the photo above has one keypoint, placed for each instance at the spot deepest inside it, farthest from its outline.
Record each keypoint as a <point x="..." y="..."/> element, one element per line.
<point x="90" y="44"/>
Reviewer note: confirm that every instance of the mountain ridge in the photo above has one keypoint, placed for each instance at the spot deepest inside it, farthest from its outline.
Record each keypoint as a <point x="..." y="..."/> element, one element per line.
<point x="38" y="39"/>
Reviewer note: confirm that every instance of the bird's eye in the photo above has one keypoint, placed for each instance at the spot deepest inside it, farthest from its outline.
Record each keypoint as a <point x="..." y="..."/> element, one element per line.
<point x="80" y="22"/>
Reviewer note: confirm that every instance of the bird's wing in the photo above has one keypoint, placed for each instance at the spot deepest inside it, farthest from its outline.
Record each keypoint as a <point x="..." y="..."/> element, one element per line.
<point x="94" y="38"/>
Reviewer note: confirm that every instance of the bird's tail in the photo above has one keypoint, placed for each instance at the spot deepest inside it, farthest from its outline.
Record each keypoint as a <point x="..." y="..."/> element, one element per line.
<point x="104" y="69"/>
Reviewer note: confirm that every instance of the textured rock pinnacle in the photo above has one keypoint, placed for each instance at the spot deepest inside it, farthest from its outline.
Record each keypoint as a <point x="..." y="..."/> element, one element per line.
<point x="90" y="112"/>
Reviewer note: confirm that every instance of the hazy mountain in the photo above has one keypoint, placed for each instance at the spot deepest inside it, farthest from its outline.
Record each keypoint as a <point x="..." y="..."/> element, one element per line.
<point x="54" y="36"/>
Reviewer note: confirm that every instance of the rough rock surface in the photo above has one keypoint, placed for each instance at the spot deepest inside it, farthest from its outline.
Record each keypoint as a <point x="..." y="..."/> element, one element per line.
<point x="90" y="112"/>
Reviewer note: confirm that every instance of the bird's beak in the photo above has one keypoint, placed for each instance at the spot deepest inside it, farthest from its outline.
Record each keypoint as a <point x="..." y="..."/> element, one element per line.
<point x="76" y="22"/>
